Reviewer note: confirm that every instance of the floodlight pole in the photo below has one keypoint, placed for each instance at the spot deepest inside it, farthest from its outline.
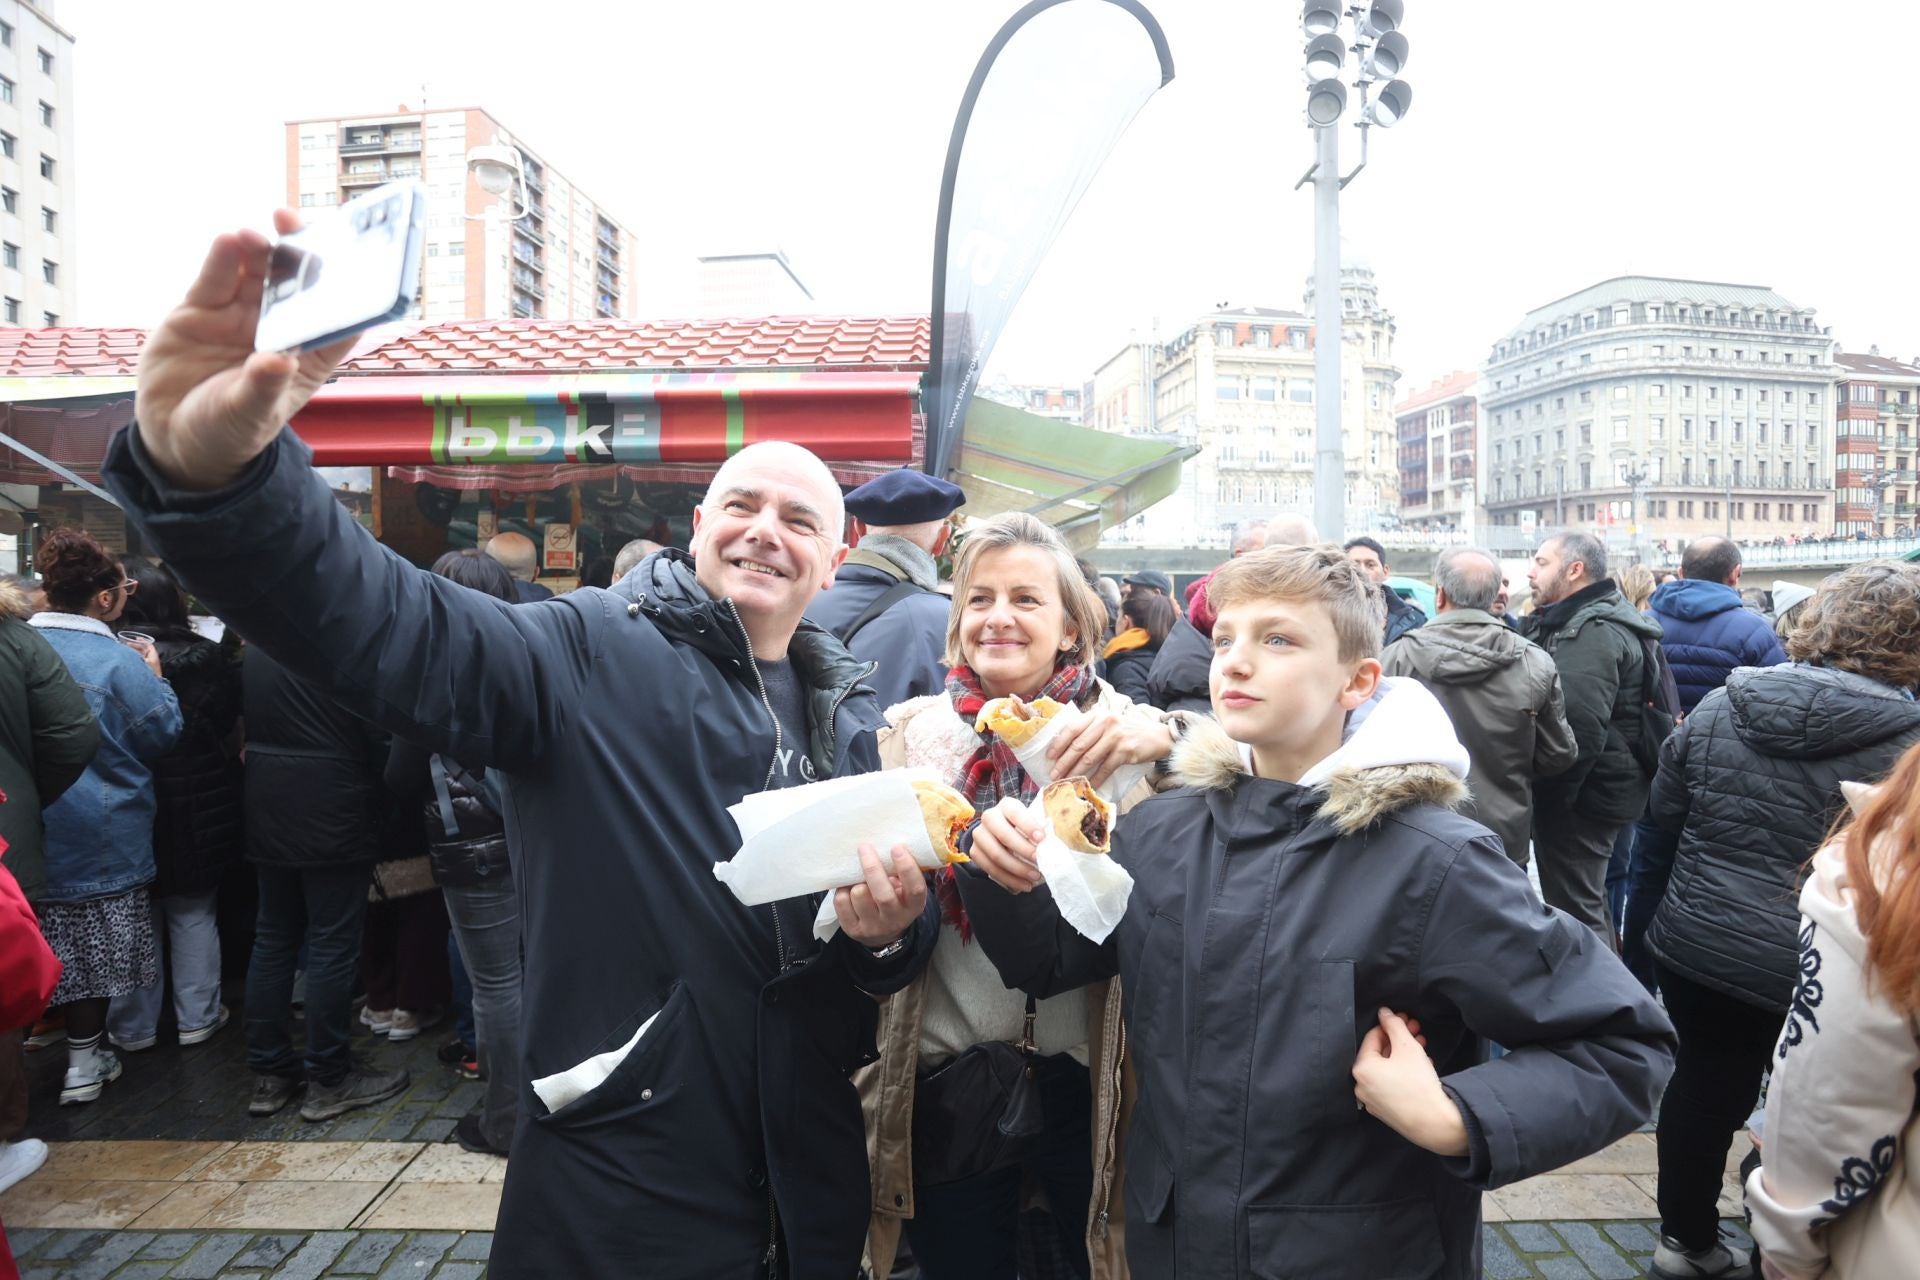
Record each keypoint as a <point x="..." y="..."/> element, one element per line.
<point x="1330" y="454"/>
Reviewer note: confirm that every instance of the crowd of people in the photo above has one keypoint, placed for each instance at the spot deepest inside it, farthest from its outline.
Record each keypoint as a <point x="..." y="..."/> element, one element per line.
<point x="1334" y="996"/>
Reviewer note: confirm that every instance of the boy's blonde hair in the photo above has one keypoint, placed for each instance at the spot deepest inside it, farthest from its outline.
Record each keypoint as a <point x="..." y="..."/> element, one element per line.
<point x="1319" y="574"/>
<point x="1086" y="616"/>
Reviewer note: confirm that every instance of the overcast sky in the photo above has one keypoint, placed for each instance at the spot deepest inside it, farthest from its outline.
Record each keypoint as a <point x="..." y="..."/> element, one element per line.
<point x="1551" y="144"/>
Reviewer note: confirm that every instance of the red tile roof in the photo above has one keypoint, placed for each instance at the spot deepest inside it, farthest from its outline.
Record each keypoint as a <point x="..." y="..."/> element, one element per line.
<point x="531" y="346"/>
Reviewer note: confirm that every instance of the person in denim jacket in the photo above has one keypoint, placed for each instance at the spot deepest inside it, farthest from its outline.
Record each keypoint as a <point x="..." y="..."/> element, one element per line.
<point x="99" y="847"/>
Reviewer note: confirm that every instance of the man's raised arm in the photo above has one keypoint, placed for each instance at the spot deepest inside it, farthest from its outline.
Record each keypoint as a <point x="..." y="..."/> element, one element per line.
<point x="223" y="492"/>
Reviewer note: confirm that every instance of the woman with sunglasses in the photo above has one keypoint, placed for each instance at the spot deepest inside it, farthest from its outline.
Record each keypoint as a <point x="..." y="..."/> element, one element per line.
<point x="99" y="844"/>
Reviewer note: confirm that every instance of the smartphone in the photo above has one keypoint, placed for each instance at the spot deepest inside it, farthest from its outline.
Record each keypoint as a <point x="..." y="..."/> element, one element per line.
<point x="350" y="269"/>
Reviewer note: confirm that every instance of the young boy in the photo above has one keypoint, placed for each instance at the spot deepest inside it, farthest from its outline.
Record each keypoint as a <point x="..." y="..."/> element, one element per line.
<point x="1306" y="913"/>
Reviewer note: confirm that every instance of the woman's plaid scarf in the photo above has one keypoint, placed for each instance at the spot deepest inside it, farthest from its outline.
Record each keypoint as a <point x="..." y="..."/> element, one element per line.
<point x="992" y="772"/>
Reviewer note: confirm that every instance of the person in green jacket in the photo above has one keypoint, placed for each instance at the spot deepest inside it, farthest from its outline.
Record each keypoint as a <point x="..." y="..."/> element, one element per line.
<point x="1595" y="639"/>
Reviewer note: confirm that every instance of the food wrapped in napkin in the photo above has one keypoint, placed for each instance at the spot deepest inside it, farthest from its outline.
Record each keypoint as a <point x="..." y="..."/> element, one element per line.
<point x="804" y="840"/>
<point x="1031" y="729"/>
<point x="1089" y="888"/>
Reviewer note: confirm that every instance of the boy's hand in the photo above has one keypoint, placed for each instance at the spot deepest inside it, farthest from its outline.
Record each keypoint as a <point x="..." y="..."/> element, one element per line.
<point x="884" y="906"/>
<point x="1395" y="1082"/>
<point x="1005" y="845"/>
<point x="206" y="401"/>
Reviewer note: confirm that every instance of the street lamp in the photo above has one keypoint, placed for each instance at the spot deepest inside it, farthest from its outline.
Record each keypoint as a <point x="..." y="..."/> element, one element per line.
<point x="1372" y="32"/>
<point x="1636" y="475"/>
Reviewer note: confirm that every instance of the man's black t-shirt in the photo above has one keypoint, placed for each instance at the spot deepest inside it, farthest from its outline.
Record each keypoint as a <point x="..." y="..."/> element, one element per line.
<point x="793" y="766"/>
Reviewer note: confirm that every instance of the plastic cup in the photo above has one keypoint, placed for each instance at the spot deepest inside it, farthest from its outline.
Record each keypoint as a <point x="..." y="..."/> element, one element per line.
<point x="139" y="641"/>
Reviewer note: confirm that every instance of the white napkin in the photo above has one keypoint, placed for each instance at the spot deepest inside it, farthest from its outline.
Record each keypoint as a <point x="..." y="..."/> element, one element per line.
<point x="804" y="840"/>
<point x="1091" y="890"/>
<point x="563" y="1087"/>
<point x="1033" y="757"/>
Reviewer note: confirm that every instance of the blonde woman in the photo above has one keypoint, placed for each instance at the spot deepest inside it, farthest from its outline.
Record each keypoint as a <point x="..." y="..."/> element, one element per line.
<point x="1025" y="624"/>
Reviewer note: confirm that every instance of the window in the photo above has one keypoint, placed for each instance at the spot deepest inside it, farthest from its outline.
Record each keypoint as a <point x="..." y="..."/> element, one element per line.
<point x="1226" y="387"/>
<point x="1266" y="388"/>
<point x="1498" y="450"/>
<point x="1586" y="357"/>
<point x="13" y="311"/>
<point x="1228" y="453"/>
<point x="51" y="270"/>
<point x="1560" y="438"/>
<point x="46" y="113"/>
<point x="1786" y="434"/>
<point x="6" y="144"/>
<point x="6" y="89"/>
<point x="49" y="318"/>
<point x="1760" y="433"/>
<point x="1786" y="397"/>
<point x="1586" y="434"/>
<point x="1223" y="334"/>
<point x="1620" y="353"/>
<point x="1623" y="393"/>
<point x="1713" y="393"/>
<point x="1686" y="428"/>
<point x="1263" y="337"/>
<point x="6" y="34"/>
<point x="1813" y="397"/>
<point x="1659" y="350"/>
<point x="9" y="198"/>
<point x="1739" y="393"/>
<point x="1763" y="395"/>
<point x="1300" y="390"/>
<point x="13" y="256"/>
<point x="1586" y="397"/>
<point x="46" y="62"/>
<point x="1713" y="430"/>
<point x="46" y="165"/>
<point x="1560" y="403"/>
<point x="1620" y="428"/>
<point x="1657" y="428"/>
<point x="49" y="220"/>
<point x="1657" y="391"/>
<point x="1738" y="429"/>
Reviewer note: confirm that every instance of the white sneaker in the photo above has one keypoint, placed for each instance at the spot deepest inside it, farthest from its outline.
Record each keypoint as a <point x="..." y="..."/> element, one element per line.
<point x="19" y="1159"/>
<point x="407" y="1023"/>
<point x="200" y="1035"/>
<point x="134" y="1046"/>
<point x="378" y="1021"/>
<point x="84" y="1082"/>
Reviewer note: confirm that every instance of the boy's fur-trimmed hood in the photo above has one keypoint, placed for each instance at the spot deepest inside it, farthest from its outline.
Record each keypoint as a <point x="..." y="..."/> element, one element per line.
<point x="1400" y="750"/>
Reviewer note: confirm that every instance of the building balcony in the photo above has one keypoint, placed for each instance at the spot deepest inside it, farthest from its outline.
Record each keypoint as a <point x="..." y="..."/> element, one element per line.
<point x="609" y="282"/>
<point x="608" y="236"/>
<point x="530" y="228"/>
<point x="526" y="257"/>
<point x="528" y="285"/>
<point x="364" y="178"/>
<point x="608" y="260"/>
<point x="363" y="146"/>
<point x="1889" y="409"/>
<point x="535" y="176"/>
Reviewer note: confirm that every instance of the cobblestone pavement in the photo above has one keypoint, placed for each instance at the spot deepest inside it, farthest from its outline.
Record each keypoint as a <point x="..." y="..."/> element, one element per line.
<point x="1514" y="1251"/>
<point x="201" y="1094"/>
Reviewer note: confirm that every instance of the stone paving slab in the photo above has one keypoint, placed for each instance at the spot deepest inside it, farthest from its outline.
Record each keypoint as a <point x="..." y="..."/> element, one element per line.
<point x="1564" y="1250"/>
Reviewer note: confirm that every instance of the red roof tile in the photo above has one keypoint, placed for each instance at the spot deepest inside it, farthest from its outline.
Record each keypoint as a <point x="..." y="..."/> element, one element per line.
<point x="527" y="346"/>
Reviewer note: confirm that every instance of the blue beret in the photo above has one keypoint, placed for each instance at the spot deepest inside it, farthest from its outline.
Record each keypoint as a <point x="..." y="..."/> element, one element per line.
<point x="905" y="497"/>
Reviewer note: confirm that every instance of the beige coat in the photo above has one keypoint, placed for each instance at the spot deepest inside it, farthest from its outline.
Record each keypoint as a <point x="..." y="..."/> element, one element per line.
<point x="886" y="1087"/>
<point x="1838" y="1191"/>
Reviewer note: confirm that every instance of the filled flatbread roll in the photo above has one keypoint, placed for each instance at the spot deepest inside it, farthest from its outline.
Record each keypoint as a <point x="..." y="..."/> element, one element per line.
<point x="1078" y="815"/>
<point x="1016" y="721"/>
<point x="947" y="814"/>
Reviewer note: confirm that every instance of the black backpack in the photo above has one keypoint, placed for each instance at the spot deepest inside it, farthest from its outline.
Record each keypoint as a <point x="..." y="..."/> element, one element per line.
<point x="1659" y="705"/>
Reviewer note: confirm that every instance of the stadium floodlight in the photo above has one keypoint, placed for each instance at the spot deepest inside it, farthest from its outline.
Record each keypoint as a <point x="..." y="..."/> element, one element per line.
<point x="1319" y="17"/>
<point x="1390" y="105"/>
<point x="1382" y="16"/>
<point x="1387" y="59"/>
<point x="1326" y="58"/>
<point x="1326" y="101"/>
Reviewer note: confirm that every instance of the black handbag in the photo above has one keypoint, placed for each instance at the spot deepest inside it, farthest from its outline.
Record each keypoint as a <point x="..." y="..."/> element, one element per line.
<point x="978" y="1112"/>
<point x="457" y="862"/>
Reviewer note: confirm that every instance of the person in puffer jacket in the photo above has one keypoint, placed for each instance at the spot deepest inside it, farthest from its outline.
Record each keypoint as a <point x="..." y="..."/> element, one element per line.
<point x="1837" y="1193"/>
<point x="1706" y="631"/>
<point x="1748" y="787"/>
<point x="1308" y="887"/>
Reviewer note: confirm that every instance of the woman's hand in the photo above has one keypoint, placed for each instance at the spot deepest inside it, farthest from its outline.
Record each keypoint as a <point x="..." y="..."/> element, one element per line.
<point x="1394" y="1081"/>
<point x="1005" y="845"/>
<point x="1103" y="741"/>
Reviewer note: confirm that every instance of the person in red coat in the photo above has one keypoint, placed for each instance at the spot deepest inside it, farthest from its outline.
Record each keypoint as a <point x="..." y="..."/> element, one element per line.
<point x="31" y="973"/>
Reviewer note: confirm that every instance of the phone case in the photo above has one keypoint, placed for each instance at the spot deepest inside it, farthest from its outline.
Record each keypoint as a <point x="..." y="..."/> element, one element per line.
<point x="351" y="269"/>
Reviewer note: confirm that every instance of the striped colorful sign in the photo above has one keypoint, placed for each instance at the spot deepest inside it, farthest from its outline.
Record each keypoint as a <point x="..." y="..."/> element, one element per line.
<point x="635" y="419"/>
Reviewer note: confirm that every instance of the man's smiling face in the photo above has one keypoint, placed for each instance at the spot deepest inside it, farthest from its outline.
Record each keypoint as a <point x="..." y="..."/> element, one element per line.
<point x="767" y="537"/>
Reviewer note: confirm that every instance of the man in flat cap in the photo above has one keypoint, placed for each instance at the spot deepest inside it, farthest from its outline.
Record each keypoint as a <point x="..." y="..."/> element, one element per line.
<point x="1149" y="580"/>
<point x="885" y="604"/>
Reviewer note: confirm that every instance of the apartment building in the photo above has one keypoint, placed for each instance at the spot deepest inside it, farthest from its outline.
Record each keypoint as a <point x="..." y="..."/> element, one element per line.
<point x="564" y="258"/>
<point x="38" y="272"/>
<point x="1876" y="402"/>
<point x="1660" y="408"/>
